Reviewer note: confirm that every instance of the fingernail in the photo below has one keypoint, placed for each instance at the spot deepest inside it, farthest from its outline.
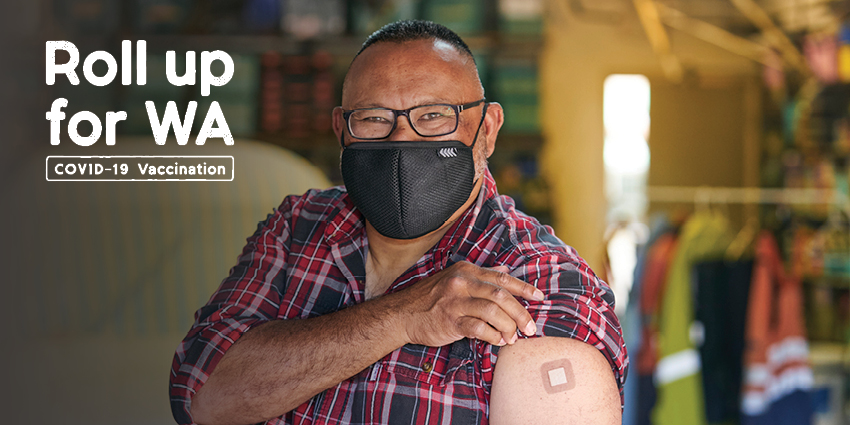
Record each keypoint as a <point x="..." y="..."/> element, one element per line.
<point x="502" y="342"/>
<point x="514" y="338"/>
<point x="530" y="328"/>
<point x="538" y="295"/>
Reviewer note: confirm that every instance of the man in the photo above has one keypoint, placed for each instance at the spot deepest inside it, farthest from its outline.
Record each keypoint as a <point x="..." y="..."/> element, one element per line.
<point x="391" y="300"/>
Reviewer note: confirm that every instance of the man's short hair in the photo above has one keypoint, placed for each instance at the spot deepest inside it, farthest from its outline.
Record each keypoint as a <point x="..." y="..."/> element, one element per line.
<point x="411" y="30"/>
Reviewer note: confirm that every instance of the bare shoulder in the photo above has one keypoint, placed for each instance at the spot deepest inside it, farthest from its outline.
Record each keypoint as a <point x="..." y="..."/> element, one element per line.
<point x="554" y="381"/>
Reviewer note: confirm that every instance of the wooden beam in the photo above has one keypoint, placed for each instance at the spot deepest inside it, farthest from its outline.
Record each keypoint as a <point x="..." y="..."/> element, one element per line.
<point x="657" y="35"/>
<point x="774" y="35"/>
<point x="712" y="34"/>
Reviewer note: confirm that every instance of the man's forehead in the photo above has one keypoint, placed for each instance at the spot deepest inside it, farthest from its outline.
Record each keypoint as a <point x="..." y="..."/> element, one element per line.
<point x="448" y="52"/>
<point x="418" y="63"/>
<point x="423" y="49"/>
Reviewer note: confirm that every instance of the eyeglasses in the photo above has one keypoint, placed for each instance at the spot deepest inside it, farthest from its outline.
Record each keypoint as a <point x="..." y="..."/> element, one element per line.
<point x="426" y="120"/>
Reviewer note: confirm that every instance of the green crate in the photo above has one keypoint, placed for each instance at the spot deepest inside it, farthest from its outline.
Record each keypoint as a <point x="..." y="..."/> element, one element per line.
<point x="369" y="16"/>
<point x="245" y="83"/>
<point x="521" y="17"/>
<point x="160" y="16"/>
<point x="465" y="17"/>
<point x="516" y="81"/>
<point x="521" y="117"/>
<point x="522" y="27"/>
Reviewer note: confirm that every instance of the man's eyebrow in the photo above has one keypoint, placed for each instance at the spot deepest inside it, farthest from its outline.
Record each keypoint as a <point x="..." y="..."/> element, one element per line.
<point x="429" y="101"/>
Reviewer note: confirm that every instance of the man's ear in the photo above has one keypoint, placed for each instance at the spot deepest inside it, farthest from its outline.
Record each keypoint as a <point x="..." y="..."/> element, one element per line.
<point x="492" y="124"/>
<point x="338" y="122"/>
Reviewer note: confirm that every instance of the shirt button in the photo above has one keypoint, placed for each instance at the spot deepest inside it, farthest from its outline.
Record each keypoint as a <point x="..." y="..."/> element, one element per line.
<point x="427" y="367"/>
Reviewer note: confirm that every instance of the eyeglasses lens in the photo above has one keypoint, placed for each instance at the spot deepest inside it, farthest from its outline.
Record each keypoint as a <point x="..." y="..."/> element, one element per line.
<point x="427" y="120"/>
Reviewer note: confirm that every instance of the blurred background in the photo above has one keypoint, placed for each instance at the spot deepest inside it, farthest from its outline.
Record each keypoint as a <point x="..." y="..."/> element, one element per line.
<point x="676" y="144"/>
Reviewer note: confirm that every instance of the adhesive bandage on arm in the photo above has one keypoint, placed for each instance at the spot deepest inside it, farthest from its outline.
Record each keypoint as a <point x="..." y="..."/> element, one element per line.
<point x="557" y="376"/>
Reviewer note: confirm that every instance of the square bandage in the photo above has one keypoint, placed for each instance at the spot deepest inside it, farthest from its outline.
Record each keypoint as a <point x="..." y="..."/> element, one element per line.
<point x="557" y="376"/>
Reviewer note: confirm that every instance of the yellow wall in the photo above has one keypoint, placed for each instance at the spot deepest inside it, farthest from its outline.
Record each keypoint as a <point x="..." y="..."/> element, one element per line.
<point x="577" y="57"/>
<point x="106" y="276"/>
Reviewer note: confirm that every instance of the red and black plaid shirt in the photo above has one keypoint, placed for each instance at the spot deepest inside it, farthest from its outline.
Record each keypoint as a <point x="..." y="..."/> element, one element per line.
<point x="308" y="259"/>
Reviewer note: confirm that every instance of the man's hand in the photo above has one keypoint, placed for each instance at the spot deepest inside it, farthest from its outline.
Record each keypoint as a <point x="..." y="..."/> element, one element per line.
<point x="465" y="300"/>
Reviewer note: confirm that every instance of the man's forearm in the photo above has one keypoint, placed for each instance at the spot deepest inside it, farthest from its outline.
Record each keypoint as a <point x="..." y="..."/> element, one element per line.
<point x="276" y="366"/>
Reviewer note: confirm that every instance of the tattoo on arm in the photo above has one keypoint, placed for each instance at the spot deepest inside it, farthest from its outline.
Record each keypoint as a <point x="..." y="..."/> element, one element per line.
<point x="557" y="376"/>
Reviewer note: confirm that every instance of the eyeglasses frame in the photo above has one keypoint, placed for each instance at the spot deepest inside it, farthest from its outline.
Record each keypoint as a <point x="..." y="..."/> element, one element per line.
<point x="406" y="112"/>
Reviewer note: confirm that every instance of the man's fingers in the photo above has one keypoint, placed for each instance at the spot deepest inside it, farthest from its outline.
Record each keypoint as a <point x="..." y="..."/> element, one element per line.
<point x="493" y="314"/>
<point x="500" y="269"/>
<point x="505" y="300"/>
<point x="472" y="327"/>
<point x="498" y="275"/>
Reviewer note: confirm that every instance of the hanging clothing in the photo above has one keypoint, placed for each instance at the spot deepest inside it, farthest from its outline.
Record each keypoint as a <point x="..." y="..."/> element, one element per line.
<point x="632" y="322"/>
<point x="777" y="372"/>
<point x="723" y="290"/>
<point x="653" y="280"/>
<point x="680" y="397"/>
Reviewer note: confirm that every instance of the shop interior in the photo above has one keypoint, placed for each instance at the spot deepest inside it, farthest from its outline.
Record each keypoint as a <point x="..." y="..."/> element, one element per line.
<point x="680" y="146"/>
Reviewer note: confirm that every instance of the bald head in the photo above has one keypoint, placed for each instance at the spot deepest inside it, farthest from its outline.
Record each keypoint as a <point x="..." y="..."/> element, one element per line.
<point x="409" y="37"/>
<point x="429" y="71"/>
<point x="412" y="30"/>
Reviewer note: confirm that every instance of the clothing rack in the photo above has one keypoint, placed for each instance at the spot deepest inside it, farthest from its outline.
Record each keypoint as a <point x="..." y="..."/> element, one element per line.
<point x="704" y="195"/>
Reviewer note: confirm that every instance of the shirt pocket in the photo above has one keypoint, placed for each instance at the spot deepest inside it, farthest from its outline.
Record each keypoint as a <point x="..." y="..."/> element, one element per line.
<point x="429" y="385"/>
<point x="435" y="366"/>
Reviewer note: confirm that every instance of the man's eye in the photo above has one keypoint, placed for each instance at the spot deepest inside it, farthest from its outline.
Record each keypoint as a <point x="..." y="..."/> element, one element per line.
<point x="374" y="120"/>
<point x="432" y="116"/>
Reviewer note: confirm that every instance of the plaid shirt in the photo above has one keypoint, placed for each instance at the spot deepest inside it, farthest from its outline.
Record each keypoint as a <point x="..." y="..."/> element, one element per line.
<point x="308" y="259"/>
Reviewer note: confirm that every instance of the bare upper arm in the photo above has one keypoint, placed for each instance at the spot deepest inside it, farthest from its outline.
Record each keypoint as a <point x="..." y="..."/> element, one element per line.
<point x="584" y="391"/>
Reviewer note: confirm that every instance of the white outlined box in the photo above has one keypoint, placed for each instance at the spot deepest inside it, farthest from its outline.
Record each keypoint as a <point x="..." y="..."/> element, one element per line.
<point x="89" y="168"/>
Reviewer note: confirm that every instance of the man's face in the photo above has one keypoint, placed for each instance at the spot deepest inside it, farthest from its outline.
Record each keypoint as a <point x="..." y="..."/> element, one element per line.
<point x="421" y="72"/>
<point x="404" y="75"/>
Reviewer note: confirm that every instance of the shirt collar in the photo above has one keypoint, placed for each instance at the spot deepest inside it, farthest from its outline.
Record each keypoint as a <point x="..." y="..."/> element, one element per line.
<point x="462" y="228"/>
<point x="347" y="223"/>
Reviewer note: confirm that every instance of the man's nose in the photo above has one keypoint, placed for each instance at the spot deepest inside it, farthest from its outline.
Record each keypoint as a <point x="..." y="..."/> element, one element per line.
<point x="403" y="130"/>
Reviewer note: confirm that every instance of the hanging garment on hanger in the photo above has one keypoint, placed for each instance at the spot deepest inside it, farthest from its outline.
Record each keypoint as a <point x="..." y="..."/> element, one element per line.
<point x="777" y="375"/>
<point x="632" y="321"/>
<point x="680" y="397"/>
<point x="723" y="289"/>
<point x="652" y="282"/>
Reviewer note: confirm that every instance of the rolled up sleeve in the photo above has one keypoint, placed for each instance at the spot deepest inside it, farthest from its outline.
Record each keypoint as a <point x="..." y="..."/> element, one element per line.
<point x="577" y="305"/>
<point x="248" y="297"/>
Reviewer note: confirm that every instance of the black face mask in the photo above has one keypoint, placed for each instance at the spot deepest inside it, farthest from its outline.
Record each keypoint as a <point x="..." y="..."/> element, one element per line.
<point x="408" y="189"/>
